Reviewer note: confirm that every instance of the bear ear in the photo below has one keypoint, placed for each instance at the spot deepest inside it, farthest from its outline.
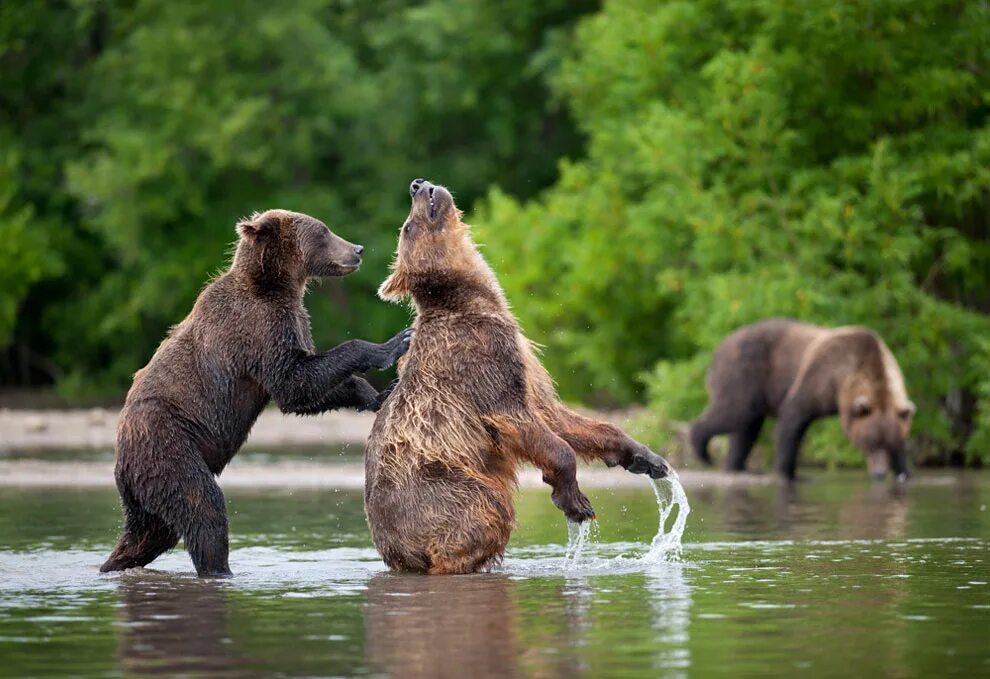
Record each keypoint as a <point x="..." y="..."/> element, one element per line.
<point x="259" y="227"/>
<point x="907" y="411"/>
<point x="395" y="288"/>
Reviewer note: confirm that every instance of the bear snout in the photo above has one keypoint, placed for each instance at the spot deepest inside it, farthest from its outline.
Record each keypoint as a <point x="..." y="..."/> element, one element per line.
<point x="416" y="185"/>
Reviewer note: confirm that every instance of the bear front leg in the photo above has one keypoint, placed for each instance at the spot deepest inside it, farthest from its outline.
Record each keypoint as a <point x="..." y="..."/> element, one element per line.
<point x="306" y="383"/>
<point x="792" y="423"/>
<point x="536" y="443"/>
<point x="354" y="392"/>
<point x="594" y="440"/>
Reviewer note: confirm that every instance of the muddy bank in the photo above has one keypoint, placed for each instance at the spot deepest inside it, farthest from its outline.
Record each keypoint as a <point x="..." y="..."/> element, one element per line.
<point x="95" y="428"/>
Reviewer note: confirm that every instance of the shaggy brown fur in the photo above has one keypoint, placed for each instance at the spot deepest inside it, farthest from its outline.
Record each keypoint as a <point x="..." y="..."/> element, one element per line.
<point x="798" y="373"/>
<point x="247" y="340"/>
<point x="471" y="402"/>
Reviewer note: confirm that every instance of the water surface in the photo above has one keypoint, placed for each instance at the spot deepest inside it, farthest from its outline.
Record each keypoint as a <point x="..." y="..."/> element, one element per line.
<point x="833" y="577"/>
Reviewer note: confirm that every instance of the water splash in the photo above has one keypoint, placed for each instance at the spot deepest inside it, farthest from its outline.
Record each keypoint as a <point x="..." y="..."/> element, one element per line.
<point x="583" y="551"/>
<point x="578" y="535"/>
<point x="666" y="545"/>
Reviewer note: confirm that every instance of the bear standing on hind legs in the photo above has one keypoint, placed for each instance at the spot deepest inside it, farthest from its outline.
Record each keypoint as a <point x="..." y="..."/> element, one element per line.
<point x="247" y="340"/>
<point x="798" y="373"/>
<point x="472" y="402"/>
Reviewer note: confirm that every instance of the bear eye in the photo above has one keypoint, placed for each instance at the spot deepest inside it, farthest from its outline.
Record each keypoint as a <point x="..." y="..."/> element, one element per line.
<point x="408" y="228"/>
<point x="905" y="413"/>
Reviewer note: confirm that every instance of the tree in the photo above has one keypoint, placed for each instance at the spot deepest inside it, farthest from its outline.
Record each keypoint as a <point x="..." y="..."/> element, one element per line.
<point x="827" y="161"/>
<point x="166" y="122"/>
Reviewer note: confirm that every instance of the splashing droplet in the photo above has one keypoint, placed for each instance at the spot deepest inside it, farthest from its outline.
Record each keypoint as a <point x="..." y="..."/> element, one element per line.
<point x="666" y="545"/>
<point x="577" y="537"/>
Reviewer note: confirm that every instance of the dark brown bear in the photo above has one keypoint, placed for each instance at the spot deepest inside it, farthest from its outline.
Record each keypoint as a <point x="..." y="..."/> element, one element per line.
<point x="247" y="340"/>
<point x="472" y="402"/>
<point x="798" y="373"/>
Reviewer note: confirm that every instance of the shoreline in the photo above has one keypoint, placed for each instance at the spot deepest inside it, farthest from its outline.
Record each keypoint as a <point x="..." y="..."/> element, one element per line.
<point x="95" y="428"/>
<point x="26" y="435"/>
<point x="40" y="430"/>
<point x="294" y="474"/>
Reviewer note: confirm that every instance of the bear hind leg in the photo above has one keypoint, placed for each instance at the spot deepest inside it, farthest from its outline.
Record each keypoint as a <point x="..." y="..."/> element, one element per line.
<point x="189" y="499"/>
<point x="703" y="430"/>
<point x="206" y="531"/>
<point x="145" y="538"/>
<point x="741" y="442"/>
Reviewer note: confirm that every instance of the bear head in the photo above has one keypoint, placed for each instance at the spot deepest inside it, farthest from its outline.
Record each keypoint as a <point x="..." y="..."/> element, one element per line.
<point x="280" y="246"/>
<point x="876" y="417"/>
<point x="437" y="262"/>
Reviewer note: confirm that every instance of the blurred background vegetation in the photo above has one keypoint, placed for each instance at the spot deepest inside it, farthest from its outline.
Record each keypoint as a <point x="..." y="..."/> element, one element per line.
<point x="645" y="176"/>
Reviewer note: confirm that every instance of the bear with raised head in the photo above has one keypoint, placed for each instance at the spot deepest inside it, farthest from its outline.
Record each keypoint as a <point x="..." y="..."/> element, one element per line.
<point x="472" y="402"/>
<point x="797" y="373"/>
<point x="247" y="340"/>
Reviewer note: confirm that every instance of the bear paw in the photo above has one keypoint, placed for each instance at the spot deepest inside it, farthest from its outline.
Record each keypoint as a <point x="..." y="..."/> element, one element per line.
<point x="575" y="506"/>
<point x="395" y="349"/>
<point x="648" y="462"/>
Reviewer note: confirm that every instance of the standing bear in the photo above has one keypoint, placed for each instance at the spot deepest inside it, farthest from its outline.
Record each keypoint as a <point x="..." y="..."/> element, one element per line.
<point x="799" y="373"/>
<point x="472" y="401"/>
<point x="247" y="340"/>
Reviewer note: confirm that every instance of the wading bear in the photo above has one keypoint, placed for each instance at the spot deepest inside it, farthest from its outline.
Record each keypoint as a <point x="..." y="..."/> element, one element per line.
<point x="247" y="340"/>
<point x="472" y="401"/>
<point x="798" y="373"/>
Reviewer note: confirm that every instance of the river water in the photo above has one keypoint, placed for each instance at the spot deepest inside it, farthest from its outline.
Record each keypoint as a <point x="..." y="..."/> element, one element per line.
<point x="834" y="577"/>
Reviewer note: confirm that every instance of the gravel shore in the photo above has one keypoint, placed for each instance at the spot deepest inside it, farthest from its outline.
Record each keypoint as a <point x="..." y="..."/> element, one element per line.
<point x="37" y="473"/>
<point x="40" y="430"/>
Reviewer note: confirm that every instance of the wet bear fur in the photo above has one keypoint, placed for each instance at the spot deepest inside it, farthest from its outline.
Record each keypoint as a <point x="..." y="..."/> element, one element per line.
<point x="472" y="402"/>
<point x="247" y="340"/>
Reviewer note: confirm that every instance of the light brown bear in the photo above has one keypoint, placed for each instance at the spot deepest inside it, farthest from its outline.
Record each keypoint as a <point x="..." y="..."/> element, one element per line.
<point x="472" y="401"/>
<point x="798" y="373"/>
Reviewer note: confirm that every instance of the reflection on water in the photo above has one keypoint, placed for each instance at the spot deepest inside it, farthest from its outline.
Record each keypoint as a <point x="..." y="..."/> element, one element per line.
<point x="876" y="511"/>
<point x="670" y="598"/>
<point x="421" y="626"/>
<point x="891" y="580"/>
<point x="174" y="625"/>
<point x="865" y="510"/>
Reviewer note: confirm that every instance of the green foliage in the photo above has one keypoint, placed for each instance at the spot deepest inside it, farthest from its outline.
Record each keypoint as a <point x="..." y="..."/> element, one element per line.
<point x="151" y="127"/>
<point x="731" y="160"/>
<point x="23" y="248"/>
<point x="827" y="161"/>
<point x="979" y="442"/>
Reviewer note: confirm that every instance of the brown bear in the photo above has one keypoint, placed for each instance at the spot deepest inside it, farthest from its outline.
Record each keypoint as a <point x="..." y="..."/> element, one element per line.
<point x="247" y="340"/>
<point x="472" y="401"/>
<point x="798" y="373"/>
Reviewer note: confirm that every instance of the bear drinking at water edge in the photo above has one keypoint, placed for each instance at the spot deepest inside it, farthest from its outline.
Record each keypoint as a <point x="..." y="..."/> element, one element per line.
<point x="472" y="401"/>
<point x="798" y="373"/>
<point x="247" y="340"/>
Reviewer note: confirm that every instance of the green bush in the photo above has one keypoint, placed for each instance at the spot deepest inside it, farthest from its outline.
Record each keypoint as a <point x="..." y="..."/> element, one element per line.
<point x="827" y="161"/>
<point x="24" y="247"/>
